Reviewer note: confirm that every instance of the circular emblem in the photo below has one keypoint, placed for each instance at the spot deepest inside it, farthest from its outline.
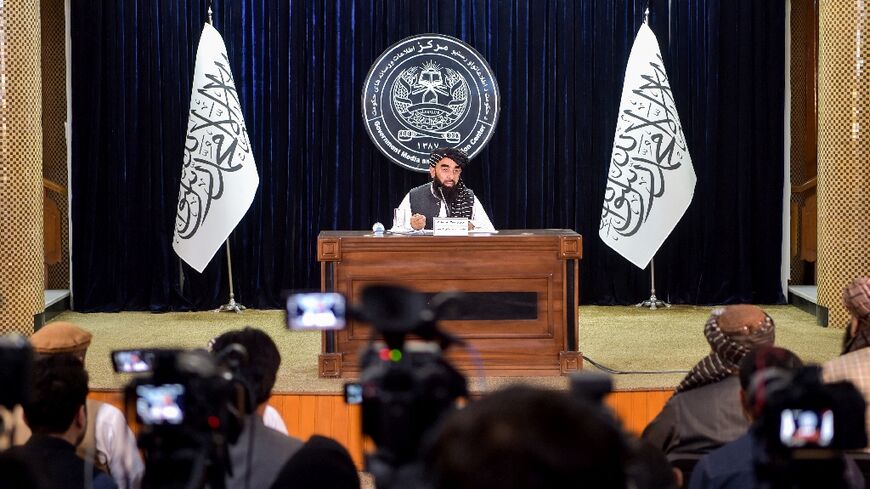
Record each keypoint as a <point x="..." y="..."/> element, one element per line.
<point x="426" y="92"/>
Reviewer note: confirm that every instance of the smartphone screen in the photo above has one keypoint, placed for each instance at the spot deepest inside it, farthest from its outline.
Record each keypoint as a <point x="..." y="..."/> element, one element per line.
<point x="316" y="311"/>
<point x="160" y="404"/>
<point x="132" y="361"/>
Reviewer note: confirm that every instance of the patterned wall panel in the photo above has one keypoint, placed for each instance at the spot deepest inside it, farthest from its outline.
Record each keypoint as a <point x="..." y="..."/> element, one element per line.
<point x="804" y="43"/>
<point x="54" y="167"/>
<point x="21" y="271"/>
<point x="844" y="151"/>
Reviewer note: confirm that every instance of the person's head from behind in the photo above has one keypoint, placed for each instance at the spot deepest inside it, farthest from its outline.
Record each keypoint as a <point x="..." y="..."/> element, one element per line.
<point x="522" y="437"/>
<point x="856" y="299"/>
<point x="57" y="402"/>
<point x="731" y="332"/>
<point x="259" y="367"/>
<point x="61" y="338"/>
<point x="753" y="382"/>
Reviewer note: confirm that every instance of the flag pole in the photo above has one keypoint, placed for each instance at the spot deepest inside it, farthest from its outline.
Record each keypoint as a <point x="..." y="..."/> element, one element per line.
<point x="653" y="302"/>
<point x="232" y="305"/>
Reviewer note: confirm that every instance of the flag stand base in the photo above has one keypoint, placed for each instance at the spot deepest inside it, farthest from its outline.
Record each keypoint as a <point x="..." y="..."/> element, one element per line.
<point x="653" y="302"/>
<point x="231" y="306"/>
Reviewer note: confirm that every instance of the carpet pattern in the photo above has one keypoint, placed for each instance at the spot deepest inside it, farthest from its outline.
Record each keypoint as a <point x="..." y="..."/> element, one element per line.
<point x="621" y="338"/>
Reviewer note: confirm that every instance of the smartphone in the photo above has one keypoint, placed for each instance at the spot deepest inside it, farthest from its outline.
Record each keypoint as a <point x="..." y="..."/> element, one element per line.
<point x="132" y="361"/>
<point x="806" y="428"/>
<point x="161" y="404"/>
<point x="316" y="311"/>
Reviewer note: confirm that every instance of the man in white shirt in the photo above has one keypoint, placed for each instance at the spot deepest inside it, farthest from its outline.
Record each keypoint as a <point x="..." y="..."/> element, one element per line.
<point x="445" y="196"/>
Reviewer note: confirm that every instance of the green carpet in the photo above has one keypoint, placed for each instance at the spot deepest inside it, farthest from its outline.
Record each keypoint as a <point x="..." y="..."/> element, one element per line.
<point x="621" y="338"/>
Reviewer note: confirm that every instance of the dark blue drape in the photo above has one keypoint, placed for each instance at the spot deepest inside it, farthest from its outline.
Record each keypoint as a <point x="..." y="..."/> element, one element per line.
<point x="300" y="65"/>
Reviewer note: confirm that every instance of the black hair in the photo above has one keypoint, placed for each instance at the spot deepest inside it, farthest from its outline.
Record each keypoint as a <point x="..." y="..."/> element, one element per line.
<point x="524" y="437"/>
<point x="766" y="357"/>
<point x="60" y="389"/>
<point x="454" y="154"/>
<point x="260" y="368"/>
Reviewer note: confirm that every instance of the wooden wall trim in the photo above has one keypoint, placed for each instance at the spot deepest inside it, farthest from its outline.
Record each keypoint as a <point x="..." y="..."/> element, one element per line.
<point x="328" y="415"/>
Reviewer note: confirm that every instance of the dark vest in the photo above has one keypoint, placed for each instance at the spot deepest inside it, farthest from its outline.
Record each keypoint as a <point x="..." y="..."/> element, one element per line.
<point x="424" y="202"/>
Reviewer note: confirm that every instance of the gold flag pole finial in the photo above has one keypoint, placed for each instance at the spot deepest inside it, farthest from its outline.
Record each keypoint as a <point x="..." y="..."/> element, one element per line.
<point x="209" y="14"/>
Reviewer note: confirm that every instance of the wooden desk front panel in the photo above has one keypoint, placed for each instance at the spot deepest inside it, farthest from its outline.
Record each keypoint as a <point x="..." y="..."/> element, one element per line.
<point x="512" y="263"/>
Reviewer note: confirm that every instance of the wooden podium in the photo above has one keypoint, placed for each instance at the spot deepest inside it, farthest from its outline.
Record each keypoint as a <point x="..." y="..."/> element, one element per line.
<point x="522" y="286"/>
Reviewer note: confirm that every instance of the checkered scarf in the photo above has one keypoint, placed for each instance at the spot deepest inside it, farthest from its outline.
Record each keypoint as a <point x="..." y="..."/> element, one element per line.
<point x="731" y="332"/>
<point x="462" y="202"/>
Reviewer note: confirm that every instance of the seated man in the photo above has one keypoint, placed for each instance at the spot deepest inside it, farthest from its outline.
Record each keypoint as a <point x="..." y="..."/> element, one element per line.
<point x="704" y="412"/>
<point x="260" y="452"/>
<point x="736" y="464"/>
<point x="57" y="416"/>
<point x="523" y="437"/>
<point x="108" y="441"/>
<point x="445" y="196"/>
<point x="853" y="364"/>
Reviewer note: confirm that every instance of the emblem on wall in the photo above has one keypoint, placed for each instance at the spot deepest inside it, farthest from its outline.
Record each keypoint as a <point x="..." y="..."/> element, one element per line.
<point x="429" y="91"/>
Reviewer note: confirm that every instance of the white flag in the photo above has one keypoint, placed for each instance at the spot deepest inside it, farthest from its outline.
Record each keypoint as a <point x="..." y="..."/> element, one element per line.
<point x="219" y="177"/>
<point x="651" y="180"/>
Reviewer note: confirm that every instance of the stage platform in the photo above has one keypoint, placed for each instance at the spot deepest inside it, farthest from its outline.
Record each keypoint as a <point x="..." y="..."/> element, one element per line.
<point x="654" y="348"/>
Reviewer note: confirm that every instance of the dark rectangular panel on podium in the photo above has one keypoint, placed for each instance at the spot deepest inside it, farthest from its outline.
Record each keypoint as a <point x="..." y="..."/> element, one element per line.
<point x="523" y="285"/>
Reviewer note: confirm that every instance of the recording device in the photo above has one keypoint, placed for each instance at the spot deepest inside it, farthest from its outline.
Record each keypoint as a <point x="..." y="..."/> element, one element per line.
<point x="316" y="311"/>
<point x="805" y="426"/>
<point x="189" y="408"/>
<point x="133" y="361"/>
<point x="160" y="404"/>
<point x="405" y="388"/>
<point x="16" y="361"/>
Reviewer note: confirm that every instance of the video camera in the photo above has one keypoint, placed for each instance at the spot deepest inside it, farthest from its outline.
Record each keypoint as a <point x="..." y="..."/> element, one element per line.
<point x="805" y="426"/>
<point x="190" y="408"/>
<point x="405" y="388"/>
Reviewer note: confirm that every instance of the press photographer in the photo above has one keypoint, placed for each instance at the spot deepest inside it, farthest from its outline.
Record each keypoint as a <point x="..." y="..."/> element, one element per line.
<point x="189" y="409"/>
<point x="805" y="427"/>
<point x="800" y="429"/>
<point x="405" y="387"/>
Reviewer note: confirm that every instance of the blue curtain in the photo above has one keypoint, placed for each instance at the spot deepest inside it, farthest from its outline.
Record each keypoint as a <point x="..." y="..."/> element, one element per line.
<point x="300" y="65"/>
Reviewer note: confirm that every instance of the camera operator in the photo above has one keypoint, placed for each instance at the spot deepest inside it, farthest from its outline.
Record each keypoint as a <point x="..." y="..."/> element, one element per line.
<point x="758" y="459"/>
<point x="57" y="416"/>
<point x="260" y="452"/>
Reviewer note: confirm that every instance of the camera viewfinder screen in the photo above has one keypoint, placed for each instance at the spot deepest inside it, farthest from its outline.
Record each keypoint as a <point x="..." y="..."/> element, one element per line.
<point x="160" y="404"/>
<point x="316" y="311"/>
<point x="806" y="428"/>
<point x="131" y="361"/>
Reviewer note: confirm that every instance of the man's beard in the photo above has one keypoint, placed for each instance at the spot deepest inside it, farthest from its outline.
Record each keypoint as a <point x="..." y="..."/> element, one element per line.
<point x="449" y="193"/>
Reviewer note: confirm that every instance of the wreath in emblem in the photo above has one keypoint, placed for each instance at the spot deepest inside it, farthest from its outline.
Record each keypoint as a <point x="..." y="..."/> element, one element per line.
<point x="429" y="97"/>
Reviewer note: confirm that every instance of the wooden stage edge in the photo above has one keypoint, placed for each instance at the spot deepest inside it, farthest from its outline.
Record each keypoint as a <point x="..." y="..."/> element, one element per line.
<point x="328" y="415"/>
